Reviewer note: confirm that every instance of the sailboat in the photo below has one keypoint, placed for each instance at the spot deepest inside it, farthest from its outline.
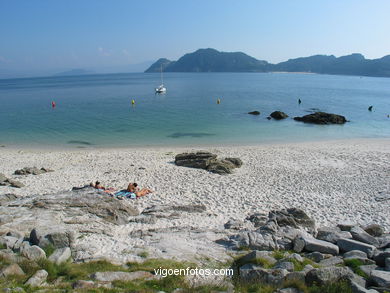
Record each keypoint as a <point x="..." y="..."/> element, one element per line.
<point x="161" y="88"/>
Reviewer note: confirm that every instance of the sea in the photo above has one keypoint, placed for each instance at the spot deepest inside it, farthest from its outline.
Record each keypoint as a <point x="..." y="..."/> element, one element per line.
<point x="97" y="111"/>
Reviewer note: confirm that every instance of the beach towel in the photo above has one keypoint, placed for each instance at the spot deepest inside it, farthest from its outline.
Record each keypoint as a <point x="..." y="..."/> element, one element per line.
<point x="125" y="193"/>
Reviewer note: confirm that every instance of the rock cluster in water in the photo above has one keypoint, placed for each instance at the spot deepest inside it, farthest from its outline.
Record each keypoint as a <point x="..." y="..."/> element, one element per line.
<point x="322" y="118"/>
<point x="208" y="161"/>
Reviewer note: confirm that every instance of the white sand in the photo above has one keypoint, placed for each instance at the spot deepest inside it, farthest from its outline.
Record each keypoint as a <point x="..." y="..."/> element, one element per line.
<point x="331" y="181"/>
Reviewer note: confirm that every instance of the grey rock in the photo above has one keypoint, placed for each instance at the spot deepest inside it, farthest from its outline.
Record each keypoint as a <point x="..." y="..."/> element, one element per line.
<point x="346" y="226"/>
<point x="15" y="183"/>
<point x="11" y="270"/>
<point x="255" y="255"/>
<point x="253" y="240"/>
<point x="251" y="272"/>
<point x="381" y="256"/>
<point x="332" y="234"/>
<point x="221" y="167"/>
<point x="360" y="235"/>
<point x="2" y="177"/>
<point x="32" y="252"/>
<point x="278" y="115"/>
<point x="380" y="278"/>
<point x="254" y="113"/>
<point x="384" y="241"/>
<point x="237" y="162"/>
<point x="258" y="219"/>
<point x="367" y="269"/>
<point x="332" y="261"/>
<point x="286" y="265"/>
<point x="355" y="254"/>
<point x="288" y="290"/>
<point x="60" y="255"/>
<point x="356" y="288"/>
<point x="374" y="230"/>
<point x="307" y="268"/>
<point x="292" y="217"/>
<point x="38" y="279"/>
<point x="312" y="244"/>
<point x="296" y="276"/>
<point x="32" y="170"/>
<point x="15" y="234"/>
<point x="4" y="198"/>
<point x="349" y="244"/>
<point x="296" y="257"/>
<point x="83" y="284"/>
<point x="322" y="118"/>
<point x="327" y="274"/>
<point x="120" y="276"/>
<point x="8" y="241"/>
<point x="315" y="256"/>
<point x="234" y="224"/>
<point x="387" y="264"/>
<point x="199" y="159"/>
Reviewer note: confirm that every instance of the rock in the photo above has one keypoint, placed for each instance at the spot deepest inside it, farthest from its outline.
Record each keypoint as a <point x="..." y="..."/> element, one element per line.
<point x="60" y="255"/>
<point x="254" y="113"/>
<point x="315" y="256"/>
<point x="296" y="276"/>
<point x="253" y="240"/>
<point x="32" y="252"/>
<point x="15" y="183"/>
<point x="269" y="118"/>
<point x="360" y="235"/>
<point x="120" y="276"/>
<point x="322" y="118"/>
<point x="15" y="234"/>
<point x="355" y="254"/>
<point x="250" y="272"/>
<point x="82" y="284"/>
<point x="367" y="269"/>
<point x="332" y="261"/>
<point x="384" y="241"/>
<point x="258" y="219"/>
<point x="278" y="115"/>
<point x="194" y="160"/>
<point x="8" y="241"/>
<point x="292" y="217"/>
<point x="288" y="290"/>
<point x="221" y="167"/>
<point x="322" y="276"/>
<point x="237" y="162"/>
<point x="32" y="170"/>
<point x="349" y="244"/>
<point x="234" y="224"/>
<point x="2" y="178"/>
<point x="346" y="226"/>
<point x="296" y="257"/>
<point x="312" y="244"/>
<point x="285" y="265"/>
<point x="11" y="270"/>
<point x="61" y="239"/>
<point x="255" y="255"/>
<point x="331" y="234"/>
<point x="374" y="230"/>
<point x="387" y="264"/>
<point x="7" y="197"/>
<point x="380" y="278"/>
<point x="380" y="257"/>
<point x="37" y="279"/>
<point x="356" y="288"/>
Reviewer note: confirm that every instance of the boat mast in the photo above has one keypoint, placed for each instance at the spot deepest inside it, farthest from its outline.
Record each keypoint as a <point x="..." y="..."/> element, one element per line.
<point x="162" y="82"/>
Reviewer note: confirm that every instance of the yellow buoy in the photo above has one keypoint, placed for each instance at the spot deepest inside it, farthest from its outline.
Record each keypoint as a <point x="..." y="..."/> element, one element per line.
<point x="132" y="102"/>
<point x="218" y="101"/>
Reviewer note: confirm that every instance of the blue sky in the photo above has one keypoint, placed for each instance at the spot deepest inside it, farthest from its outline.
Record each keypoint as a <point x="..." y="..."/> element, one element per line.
<point x="44" y="35"/>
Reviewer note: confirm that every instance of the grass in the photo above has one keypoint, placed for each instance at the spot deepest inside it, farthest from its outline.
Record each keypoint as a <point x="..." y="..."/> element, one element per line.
<point x="143" y="254"/>
<point x="355" y="264"/>
<point x="49" y="249"/>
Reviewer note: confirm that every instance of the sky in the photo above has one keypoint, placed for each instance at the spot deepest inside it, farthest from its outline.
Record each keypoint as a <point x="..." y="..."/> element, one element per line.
<point x="38" y="36"/>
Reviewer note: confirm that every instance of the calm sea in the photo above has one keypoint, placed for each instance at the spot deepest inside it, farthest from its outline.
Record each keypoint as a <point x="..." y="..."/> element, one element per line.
<point x="96" y="110"/>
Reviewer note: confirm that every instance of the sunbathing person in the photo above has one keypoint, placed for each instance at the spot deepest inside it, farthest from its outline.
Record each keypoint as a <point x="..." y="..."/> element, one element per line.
<point x="133" y="188"/>
<point x="98" y="185"/>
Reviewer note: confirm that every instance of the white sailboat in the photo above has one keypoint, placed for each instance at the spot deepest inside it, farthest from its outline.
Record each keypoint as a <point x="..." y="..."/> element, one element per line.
<point x="161" y="88"/>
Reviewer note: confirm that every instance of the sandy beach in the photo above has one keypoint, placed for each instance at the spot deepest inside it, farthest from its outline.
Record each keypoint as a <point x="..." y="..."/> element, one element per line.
<point x="332" y="181"/>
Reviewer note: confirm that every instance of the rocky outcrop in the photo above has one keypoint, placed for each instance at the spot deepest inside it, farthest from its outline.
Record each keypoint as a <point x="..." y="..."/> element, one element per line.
<point x="32" y="170"/>
<point x="322" y="118"/>
<point x="208" y="161"/>
<point x="254" y="113"/>
<point x="4" y="181"/>
<point x="278" y="115"/>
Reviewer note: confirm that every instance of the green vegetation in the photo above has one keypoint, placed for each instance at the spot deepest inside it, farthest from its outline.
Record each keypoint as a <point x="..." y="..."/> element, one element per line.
<point x="143" y="254"/>
<point x="355" y="264"/>
<point x="49" y="249"/>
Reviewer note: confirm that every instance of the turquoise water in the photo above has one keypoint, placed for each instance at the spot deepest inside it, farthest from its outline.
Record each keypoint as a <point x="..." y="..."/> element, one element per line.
<point x="96" y="109"/>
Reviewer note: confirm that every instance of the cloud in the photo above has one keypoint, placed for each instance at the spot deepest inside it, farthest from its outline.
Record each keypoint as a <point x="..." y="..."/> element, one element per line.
<point x="104" y="52"/>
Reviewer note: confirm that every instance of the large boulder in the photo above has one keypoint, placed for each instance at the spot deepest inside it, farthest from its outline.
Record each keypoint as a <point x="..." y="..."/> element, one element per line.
<point x="374" y="230"/>
<point x="11" y="270"/>
<point x="349" y="244"/>
<point x="311" y="245"/>
<point x="38" y="279"/>
<point x="2" y="178"/>
<point x="293" y="217"/>
<point x="380" y="278"/>
<point x="322" y="118"/>
<point x="221" y="167"/>
<point x="380" y="257"/>
<point x="325" y="275"/>
<point x="360" y="235"/>
<point x="32" y="170"/>
<point x="332" y="234"/>
<point x="32" y="252"/>
<point x="120" y="276"/>
<point x="278" y="115"/>
<point x="195" y="160"/>
<point x="56" y="238"/>
<point x="60" y="255"/>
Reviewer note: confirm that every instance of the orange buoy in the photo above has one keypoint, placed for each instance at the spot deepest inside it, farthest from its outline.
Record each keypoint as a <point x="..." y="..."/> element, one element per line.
<point x="53" y="104"/>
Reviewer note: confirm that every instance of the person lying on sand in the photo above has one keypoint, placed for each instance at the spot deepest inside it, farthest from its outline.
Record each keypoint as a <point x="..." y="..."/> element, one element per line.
<point x="98" y="185"/>
<point x="133" y="188"/>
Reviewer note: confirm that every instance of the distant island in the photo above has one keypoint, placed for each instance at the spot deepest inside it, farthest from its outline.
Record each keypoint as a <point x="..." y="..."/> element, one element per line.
<point x="211" y="60"/>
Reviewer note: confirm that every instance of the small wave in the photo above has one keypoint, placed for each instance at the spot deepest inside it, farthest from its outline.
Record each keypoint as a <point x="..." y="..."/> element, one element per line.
<point x="190" y="134"/>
